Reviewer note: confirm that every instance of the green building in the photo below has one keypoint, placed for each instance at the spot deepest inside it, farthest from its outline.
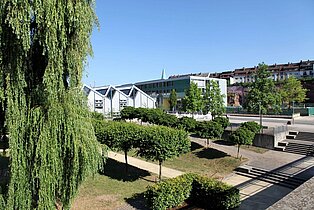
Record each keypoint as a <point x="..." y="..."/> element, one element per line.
<point x="160" y="89"/>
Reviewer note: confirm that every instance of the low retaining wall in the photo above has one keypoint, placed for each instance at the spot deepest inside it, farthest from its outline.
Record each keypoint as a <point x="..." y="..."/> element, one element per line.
<point x="269" y="139"/>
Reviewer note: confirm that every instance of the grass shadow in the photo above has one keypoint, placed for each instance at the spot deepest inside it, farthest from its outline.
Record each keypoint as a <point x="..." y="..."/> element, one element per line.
<point x="137" y="201"/>
<point x="210" y="153"/>
<point x="195" y="146"/>
<point x="116" y="170"/>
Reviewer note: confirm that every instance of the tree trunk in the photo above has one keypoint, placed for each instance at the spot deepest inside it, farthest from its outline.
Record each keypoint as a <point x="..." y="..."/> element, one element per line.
<point x="126" y="161"/>
<point x="238" y="150"/>
<point x="160" y="162"/>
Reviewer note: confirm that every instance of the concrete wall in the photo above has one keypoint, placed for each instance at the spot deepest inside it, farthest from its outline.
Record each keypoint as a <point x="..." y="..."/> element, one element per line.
<point x="269" y="139"/>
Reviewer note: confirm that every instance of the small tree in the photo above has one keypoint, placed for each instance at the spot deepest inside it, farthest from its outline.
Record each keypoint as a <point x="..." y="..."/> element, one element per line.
<point x="162" y="143"/>
<point x="242" y="136"/>
<point x="292" y="90"/>
<point x="173" y="100"/>
<point x="192" y="101"/>
<point x="251" y="126"/>
<point x="209" y="130"/>
<point x="187" y="123"/>
<point x="121" y="136"/>
<point x="223" y="121"/>
<point x="263" y="95"/>
<point x="213" y="99"/>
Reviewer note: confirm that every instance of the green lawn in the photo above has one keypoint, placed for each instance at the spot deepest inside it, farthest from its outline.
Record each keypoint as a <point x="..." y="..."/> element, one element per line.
<point x="205" y="161"/>
<point x="113" y="189"/>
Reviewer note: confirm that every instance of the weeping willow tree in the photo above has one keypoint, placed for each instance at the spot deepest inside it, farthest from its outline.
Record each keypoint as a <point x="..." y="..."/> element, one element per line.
<point x="43" y="50"/>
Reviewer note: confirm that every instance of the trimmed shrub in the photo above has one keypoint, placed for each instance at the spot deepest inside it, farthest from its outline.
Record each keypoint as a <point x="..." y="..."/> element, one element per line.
<point x="187" y="123"/>
<point x="169" y="193"/>
<point x="194" y="189"/>
<point x="128" y="113"/>
<point x="242" y="136"/>
<point x="209" y="129"/>
<point x="213" y="194"/>
<point x="252" y="126"/>
<point x="223" y="121"/>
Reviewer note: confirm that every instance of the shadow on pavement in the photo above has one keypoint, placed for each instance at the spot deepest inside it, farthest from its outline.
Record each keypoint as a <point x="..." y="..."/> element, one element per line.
<point x="116" y="170"/>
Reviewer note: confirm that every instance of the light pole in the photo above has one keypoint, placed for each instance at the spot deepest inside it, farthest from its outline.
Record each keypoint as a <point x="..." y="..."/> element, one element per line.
<point x="293" y="112"/>
<point x="260" y="116"/>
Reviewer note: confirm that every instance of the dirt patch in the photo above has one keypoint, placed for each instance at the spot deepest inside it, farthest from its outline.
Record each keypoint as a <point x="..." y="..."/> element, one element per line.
<point x="101" y="202"/>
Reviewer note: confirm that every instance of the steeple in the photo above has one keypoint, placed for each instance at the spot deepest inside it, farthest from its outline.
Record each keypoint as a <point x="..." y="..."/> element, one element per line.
<point x="163" y="74"/>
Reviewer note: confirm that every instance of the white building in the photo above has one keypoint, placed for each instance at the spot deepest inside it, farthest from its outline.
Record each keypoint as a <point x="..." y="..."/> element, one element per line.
<point x="110" y="100"/>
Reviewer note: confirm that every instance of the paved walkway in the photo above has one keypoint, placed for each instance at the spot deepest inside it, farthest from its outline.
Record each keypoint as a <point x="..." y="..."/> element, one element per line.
<point x="151" y="167"/>
<point x="254" y="193"/>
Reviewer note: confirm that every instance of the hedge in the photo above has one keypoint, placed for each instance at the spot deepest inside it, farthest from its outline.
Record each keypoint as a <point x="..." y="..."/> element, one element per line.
<point x="212" y="194"/>
<point x="194" y="189"/>
<point x="169" y="193"/>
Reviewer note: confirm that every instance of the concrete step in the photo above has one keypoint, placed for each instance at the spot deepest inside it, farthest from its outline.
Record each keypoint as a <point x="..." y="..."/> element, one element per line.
<point x="283" y="143"/>
<point x="280" y="148"/>
<point x="290" y="136"/>
<point x="293" y="133"/>
<point x="269" y="179"/>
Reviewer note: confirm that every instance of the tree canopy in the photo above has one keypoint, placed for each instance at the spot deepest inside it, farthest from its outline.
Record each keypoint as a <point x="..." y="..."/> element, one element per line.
<point x="213" y="99"/>
<point x="43" y="50"/>
<point x="192" y="101"/>
<point x="263" y="94"/>
<point x="173" y="100"/>
<point x="292" y="90"/>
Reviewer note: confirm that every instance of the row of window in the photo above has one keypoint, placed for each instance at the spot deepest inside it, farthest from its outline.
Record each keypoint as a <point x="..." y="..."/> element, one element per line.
<point x="157" y="84"/>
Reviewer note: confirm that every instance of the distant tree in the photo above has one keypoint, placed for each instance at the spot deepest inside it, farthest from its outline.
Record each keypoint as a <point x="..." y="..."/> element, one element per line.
<point x="173" y="99"/>
<point x="263" y="94"/>
<point x="213" y="99"/>
<point x="242" y="136"/>
<point x="292" y="90"/>
<point x="192" y="101"/>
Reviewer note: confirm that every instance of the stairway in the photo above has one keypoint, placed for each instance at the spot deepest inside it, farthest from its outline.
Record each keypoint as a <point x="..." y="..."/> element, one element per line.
<point x="301" y="143"/>
<point x="272" y="177"/>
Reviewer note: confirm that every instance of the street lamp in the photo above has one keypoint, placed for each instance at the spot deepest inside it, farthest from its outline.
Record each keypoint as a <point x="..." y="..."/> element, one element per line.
<point x="293" y="112"/>
<point x="260" y="116"/>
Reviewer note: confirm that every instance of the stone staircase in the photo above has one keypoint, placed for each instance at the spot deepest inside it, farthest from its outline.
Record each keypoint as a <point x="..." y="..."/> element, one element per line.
<point x="272" y="177"/>
<point x="301" y="143"/>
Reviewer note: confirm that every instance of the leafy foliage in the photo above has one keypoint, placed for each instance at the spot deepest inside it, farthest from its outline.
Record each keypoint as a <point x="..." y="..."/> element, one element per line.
<point x="173" y="99"/>
<point x="212" y="194"/>
<point x="169" y="193"/>
<point x="209" y="129"/>
<point x="292" y="90"/>
<point x="213" y="99"/>
<point x="251" y="126"/>
<point x="43" y="50"/>
<point x="187" y="123"/>
<point x="223" y="121"/>
<point x="263" y="94"/>
<point x="192" y="101"/>
<point x="242" y="136"/>
<point x="197" y="190"/>
<point x="162" y="143"/>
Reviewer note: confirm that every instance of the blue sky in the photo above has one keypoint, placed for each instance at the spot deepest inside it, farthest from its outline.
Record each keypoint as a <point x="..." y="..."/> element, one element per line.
<point x="138" y="38"/>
